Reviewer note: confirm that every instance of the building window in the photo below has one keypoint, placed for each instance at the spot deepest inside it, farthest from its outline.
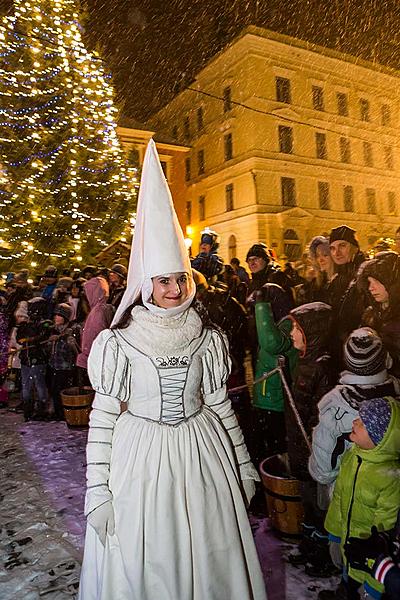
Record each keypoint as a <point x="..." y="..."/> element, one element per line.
<point x="323" y="195"/>
<point x="229" y="196"/>
<point x="288" y="191"/>
<point x="188" y="212"/>
<point x="320" y="142"/>
<point x="285" y="139"/>
<point x="232" y="247"/>
<point x="371" y="201"/>
<point x="342" y="104"/>
<point x="364" y="109"/>
<point x="392" y="203"/>
<point x="228" y="146"/>
<point x="164" y="167"/>
<point x="345" y="152"/>
<point x="348" y="198"/>
<point x="317" y="97"/>
<point x="227" y="94"/>
<point x="200" y="162"/>
<point x="187" y="169"/>
<point x="200" y="119"/>
<point x="386" y="116"/>
<point x="389" y="161"/>
<point x="186" y="128"/>
<point x="283" y="90"/>
<point x="202" y="208"/>
<point x="368" y="158"/>
<point x="175" y="132"/>
<point x="291" y="245"/>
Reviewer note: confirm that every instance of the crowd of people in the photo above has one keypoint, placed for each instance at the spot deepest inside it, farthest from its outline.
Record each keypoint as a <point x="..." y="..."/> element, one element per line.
<point x="334" y="325"/>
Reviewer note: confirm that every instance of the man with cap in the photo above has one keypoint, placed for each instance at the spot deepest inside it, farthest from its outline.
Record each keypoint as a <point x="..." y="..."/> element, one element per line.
<point x="262" y="271"/>
<point x="117" y="282"/>
<point x="346" y="302"/>
<point x="207" y="261"/>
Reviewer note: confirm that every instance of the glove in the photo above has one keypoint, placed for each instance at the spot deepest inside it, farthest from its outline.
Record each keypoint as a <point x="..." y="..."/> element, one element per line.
<point x="249" y="488"/>
<point x="358" y="550"/>
<point x="102" y="520"/>
<point x="336" y="554"/>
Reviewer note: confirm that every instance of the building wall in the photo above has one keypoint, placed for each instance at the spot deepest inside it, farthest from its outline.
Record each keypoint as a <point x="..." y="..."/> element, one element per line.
<point x="249" y="67"/>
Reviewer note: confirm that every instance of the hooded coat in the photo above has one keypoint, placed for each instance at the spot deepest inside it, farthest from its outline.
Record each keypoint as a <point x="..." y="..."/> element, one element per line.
<point x="313" y="377"/>
<point x="274" y="341"/>
<point x="367" y="493"/>
<point x="99" y="318"/>
<point x="385" y="267"/>
<point x="337" y="411"/>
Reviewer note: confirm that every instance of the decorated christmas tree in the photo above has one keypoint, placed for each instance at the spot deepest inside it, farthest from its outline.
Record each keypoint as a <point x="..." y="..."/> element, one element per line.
<point x="66" y="190"/>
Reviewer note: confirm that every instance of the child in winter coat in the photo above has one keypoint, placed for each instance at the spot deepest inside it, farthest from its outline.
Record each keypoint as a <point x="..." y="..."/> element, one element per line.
<point x="365" y="377"/>
<point x="313" y="376"/>
<point x="367" y="492"/>
<point x="64" y="348"/>
<point x="32" y="335"/>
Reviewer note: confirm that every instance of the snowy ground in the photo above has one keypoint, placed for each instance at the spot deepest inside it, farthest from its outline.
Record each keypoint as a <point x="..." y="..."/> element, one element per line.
<point x="42" y="478"/>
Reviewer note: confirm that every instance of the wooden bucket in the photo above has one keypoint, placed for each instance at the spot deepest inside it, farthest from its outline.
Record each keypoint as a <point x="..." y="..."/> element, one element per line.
<point x="77" y="404"/>
<point x="283" y="496"/>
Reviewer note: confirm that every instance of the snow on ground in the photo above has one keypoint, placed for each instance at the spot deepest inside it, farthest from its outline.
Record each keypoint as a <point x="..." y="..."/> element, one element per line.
<point x="42" y="482"/>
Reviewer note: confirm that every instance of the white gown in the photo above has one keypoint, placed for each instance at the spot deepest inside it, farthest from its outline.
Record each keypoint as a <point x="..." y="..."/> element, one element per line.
<point x="171" y="464"/>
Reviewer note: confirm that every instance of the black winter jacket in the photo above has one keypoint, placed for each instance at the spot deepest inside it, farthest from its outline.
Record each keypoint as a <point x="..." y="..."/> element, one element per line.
<point x="314" y="376"/>
<point x="33" y="351"/>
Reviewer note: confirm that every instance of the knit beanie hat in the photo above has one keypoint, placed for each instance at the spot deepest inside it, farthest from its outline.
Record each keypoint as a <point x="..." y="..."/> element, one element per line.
<point x="318" y="240"/>
<point x="120" y="270"/>
<point x="343" y="232"/>
<point x="64" y="310"/>
<point x="375" y="415"/>
<point x="364" y="353"/>
<point x="260" y="250"/>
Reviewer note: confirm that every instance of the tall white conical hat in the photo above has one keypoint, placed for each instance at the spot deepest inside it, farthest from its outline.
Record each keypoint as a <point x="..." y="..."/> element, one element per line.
<point x="158" y="244"/>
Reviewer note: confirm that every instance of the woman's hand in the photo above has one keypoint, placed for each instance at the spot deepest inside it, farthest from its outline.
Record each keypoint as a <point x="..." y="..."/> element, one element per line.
<point x="249" y="489"/>
<point x="102" y="520"/>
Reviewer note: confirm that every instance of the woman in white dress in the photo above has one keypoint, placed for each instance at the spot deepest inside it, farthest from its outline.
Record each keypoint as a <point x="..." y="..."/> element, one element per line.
<point x="169" y="477"/>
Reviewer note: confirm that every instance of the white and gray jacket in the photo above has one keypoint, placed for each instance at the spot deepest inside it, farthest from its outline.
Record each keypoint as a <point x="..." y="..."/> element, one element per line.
<point x="337" y="411"/>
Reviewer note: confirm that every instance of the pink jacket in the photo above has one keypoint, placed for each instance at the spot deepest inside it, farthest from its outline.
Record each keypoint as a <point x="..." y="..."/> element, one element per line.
<point x="99" y="318"/>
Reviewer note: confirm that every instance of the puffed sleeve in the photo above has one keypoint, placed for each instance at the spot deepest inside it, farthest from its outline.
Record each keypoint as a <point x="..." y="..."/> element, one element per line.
<point x="216" y="369"/>
<point x="109" y="376"/>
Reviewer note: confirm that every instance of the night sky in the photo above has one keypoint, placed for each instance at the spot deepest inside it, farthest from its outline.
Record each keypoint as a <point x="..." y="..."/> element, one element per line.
<point x="154" y="46"/>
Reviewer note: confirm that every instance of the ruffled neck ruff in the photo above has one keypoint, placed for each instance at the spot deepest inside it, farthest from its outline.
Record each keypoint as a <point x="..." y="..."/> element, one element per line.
<point x="159" y="336"/>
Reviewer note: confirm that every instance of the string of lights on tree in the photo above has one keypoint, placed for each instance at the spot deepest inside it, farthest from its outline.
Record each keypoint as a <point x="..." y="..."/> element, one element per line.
<point x="66" y="189"/>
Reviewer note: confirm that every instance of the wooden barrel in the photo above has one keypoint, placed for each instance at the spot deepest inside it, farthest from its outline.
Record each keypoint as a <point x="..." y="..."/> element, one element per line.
<point x="77" y="404"/>
<point x="283" y="496"/>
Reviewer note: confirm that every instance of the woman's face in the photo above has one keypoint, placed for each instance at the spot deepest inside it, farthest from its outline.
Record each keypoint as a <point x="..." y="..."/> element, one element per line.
<point x="323" y="258"/>
<point x="297" y="337"/>
<point x="170" y="290"/>
<point x="377" y="290"/>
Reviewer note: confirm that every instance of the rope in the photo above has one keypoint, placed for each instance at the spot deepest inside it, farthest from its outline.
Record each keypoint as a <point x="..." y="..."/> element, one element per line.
<point x="267" y="375"/>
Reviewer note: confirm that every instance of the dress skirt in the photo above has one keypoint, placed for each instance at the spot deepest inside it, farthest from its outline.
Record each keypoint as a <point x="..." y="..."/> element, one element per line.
<point x="181" y="527"/>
